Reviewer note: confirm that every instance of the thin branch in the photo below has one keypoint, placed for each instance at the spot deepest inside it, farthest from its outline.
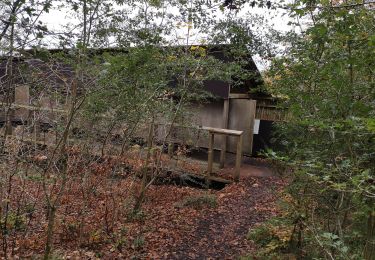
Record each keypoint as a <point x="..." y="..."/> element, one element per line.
<point x="16" y="5"/>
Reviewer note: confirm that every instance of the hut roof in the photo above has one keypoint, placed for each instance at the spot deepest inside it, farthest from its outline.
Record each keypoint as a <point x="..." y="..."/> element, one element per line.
<point x="58" y="73"/>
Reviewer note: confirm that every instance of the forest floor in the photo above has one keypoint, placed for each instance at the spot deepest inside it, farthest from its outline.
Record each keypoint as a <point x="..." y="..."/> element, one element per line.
<point x="176" y="222"/>
<point x="177" y="225"/>
<point x="220" y="233"/>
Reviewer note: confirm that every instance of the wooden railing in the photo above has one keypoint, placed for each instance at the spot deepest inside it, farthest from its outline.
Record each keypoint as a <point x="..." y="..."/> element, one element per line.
<point x="228" y="132"/>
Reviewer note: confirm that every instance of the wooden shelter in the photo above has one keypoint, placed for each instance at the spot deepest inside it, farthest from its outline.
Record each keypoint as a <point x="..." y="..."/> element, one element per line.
<point x="240" y="108"/>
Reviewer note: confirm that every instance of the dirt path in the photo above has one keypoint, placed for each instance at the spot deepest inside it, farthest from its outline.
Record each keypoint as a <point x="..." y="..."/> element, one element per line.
<point x="220" y="233"/>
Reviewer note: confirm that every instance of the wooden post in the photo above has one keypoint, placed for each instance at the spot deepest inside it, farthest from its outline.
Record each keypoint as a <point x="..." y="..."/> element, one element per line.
<point x="253" y="105"/>
<point x="238" y="158"/>
<point x="210" y="153"/>
<point x="224" y="137"/>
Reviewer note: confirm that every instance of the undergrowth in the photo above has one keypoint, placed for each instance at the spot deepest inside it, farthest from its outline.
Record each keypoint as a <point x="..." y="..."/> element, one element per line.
<point x="198" y="202"/>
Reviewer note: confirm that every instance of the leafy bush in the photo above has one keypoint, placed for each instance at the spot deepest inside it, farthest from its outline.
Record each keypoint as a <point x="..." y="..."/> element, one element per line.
<point x="328" y="141"/>
<point x="13" y="222"/>
<point x="273" y="237"/>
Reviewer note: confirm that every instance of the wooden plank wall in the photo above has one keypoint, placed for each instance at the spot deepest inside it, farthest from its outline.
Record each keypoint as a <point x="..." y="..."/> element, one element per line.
<point x="268" y="110"/>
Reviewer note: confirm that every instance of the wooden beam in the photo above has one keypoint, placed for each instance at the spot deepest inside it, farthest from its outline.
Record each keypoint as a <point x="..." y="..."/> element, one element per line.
<point x="34" y="108"/>
<point x="238" y="158"/>
<point x="225" y="126"/>
<point x="252" y="112"/>
<point x="212" y="178"/>
<point x="210" y="154"/>
<point x="239" y="95"/>
<point x="222" y="131"/>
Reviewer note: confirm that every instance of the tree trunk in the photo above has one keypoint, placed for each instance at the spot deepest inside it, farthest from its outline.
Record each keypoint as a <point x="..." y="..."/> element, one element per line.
<point x="369" y="251"/>
<point x="145" y="170"/>
<point x="51" y="225"/>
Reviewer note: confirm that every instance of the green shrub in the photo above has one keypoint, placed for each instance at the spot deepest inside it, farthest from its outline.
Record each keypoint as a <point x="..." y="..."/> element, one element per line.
<point x="200" y="201"/>
<point x="273" y="238"/>
<point x="136" y="215"/>
<point x="14" y="222"/>
<point x="138" y="242"/>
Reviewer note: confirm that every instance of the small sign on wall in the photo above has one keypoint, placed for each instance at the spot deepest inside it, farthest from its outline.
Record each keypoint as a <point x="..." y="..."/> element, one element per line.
<point x="256" y="126"/>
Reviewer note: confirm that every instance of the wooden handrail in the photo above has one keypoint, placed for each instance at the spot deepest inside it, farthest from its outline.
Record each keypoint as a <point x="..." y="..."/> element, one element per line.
<point x="34" y="108"/>
<point x="222" y="131"/>
<point x="239" y="134"/>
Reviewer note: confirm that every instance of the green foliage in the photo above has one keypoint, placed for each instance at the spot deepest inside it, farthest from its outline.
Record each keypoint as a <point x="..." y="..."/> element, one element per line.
<point x="56" y="256"/>
<point x="273" y="237"/>
<point x="13" y="222"/>
<point x="136" y="215"/>
<point x="142" y="81"/>
<point x="121" y="238"/>
<point x="138" y="242"/>
<point x="153" y="85"/>
<point x="328" y="143"/>
<point x="199" y="202"/>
